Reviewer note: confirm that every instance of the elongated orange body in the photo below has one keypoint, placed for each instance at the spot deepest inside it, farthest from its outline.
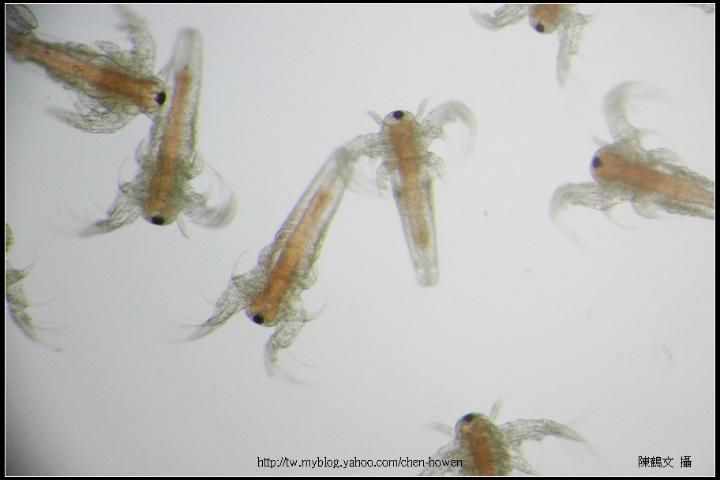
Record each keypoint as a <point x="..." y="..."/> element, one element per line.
<point x="609" y="166"/>
<point x="270" y="292"/>
<point x="79" y="67"/>
<point x="172" y="153"/>
<point x="624" y="171"/>
<point x="412" y="189"/>
<point x="263" y="308"/>
<point x="403" y="146"/>
<point x="113" y="85"/>
<point x="168" y="159"/>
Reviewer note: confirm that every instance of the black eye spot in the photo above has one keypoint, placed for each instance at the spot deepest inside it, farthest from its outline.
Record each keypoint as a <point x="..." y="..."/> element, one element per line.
<point x="398" y="114"/>
<point x="160" y="98"/>
<point x="540" y="28"/>
<point x="469" y="417"/>
<point x="596" y="162"/>
<point x="157" y="220"/>
<point x="258" y="318"/>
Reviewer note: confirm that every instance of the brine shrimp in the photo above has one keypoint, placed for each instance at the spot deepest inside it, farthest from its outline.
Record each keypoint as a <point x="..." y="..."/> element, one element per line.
<point x="19" y="20"/>
<point x="15" y="294"/>
<point x="270" y="293"/>
<point x="625" y="172"/>
<point x="113" y="85"/>
<point x="161" y="190"/>
<point x="482" y="448"/>
<point x="402" y="145"/>
<point x="705" y="7"/>
<point x="543" y="18"/>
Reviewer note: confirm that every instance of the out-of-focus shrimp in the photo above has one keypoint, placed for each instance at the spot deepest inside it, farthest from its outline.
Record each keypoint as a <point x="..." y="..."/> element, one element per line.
<point x="705" y="7"/>
<point x="270" y="293"/>
<point x="625" y="171"/>
<point x="543" y="18"/>
<point x="14" y="293"/>
<point x="19" y="20"/>
<point x="168" y="162"/>
<point x="402" y="145"/>
<point x="113" y="85"/>
<point x="481" y="447"/>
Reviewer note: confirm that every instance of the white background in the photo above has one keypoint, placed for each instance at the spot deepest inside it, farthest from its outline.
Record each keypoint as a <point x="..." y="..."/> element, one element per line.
<point x="613" y="336"/>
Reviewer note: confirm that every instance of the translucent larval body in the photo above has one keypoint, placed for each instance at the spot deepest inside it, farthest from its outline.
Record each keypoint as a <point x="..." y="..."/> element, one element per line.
<point x="624" y="171"/>
<point x="543" y="18"/>
<point x="15" y="294"/>
<point x="486" y="449"/>
<point x="402" y="145"/>
<point x="168" y="160"/>
<point x="270" y="293"/>
<point x="113" y="85"/>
